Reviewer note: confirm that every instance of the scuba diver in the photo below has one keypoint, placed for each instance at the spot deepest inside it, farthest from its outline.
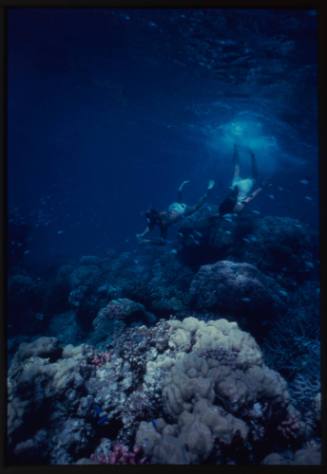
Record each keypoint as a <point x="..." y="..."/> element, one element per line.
<point x="176" y="211"/>
<point x="242" y="189"/>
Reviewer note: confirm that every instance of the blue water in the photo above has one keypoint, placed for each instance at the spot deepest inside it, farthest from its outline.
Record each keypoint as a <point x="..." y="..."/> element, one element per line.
<point x="109" y="110"/>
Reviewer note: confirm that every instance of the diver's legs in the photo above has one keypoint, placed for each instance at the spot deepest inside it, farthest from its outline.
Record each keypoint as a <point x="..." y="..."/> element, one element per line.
<point x="254" y="167"/>
<point x="236" y="162"/>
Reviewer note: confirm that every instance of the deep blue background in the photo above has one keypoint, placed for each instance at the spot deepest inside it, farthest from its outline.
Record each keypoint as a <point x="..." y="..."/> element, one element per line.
<point x="109" y="110"/>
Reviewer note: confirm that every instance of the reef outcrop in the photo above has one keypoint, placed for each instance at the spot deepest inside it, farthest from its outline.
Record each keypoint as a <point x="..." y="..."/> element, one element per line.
<point x="178" y="392"/>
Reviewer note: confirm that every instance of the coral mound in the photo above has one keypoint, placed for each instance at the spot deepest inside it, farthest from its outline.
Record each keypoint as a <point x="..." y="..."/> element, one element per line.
<point x="115" y="315"/>
<point x="310" y="454"/>
<point x="239" y="289"/>
<point x="220" y="402"/>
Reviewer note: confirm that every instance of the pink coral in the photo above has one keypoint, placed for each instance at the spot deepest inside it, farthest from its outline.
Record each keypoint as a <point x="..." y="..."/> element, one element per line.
<point x="101" y="358"/>
<point x="120" y="455"/>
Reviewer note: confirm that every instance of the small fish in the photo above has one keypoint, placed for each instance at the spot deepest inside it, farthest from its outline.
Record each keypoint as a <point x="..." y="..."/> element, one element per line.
<point x="246" y="300"/>
<point x="318" y="291"/>
<point x="255" y="211"/>
<point x="308" y="198"/>
<point x="26" y="252"/>
<point x="59" y="232"/>
<point x="283" y="293"/>
<point x="174" y="251"/>
<point x="271" y="196"/>
<point x="228" y="232"/>
<point x="228" y="218"/>
<point x="154" y="424"/>
<point x="309" y="264"/>
<point x="39" y="316"/>
<point x="280" y="188"/>
<point x="304" y="181"/>
<point x="196" y="242"/>
<point x="246" y="239"/>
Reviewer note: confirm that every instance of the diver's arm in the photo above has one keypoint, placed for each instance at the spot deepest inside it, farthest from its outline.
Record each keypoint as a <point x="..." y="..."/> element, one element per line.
<point x="142" y="234"/>
<point x="240" y="205"/>
<point x="253" y="195"/>
<point x="191" y="209"/>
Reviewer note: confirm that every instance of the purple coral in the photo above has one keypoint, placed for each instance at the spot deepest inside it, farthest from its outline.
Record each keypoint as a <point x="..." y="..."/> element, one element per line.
<point x="120" y="454"/>
<point x="98" y="360"/>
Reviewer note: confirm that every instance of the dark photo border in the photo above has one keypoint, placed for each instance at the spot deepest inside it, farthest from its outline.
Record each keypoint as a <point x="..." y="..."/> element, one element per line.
<point x="322" y="85"/>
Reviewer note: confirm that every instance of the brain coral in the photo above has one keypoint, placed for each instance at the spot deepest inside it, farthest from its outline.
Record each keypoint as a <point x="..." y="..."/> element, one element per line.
<point x="217" y="393"/>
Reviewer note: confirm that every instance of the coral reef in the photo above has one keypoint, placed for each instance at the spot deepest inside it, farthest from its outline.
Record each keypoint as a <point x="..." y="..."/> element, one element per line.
<point x="298" y="330"/>
<point x="120" y="454"/>
<point x="273" y="244"/>
<point x="216" y="392"/>
<point x="45" y="375"/>
<point x="116" y="315"/>
<point x="239" y="289"/>
<point x="65" y="327"/>
<point x="177" y="392"/>
<point x="310" y="454"/>
<point x="152" y="355"/>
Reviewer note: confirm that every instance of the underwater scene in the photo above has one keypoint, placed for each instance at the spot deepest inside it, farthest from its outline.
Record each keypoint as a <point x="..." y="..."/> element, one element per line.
<point x="163" y="285"/>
